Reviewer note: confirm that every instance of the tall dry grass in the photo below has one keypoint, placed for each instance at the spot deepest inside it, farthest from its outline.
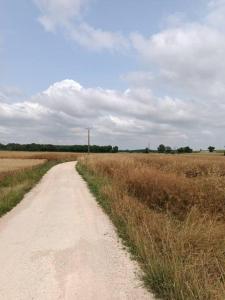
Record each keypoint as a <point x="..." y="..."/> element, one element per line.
<point x="57" y="156"/>
<point x="171" y="211"/>
<point x="9" y="164"/>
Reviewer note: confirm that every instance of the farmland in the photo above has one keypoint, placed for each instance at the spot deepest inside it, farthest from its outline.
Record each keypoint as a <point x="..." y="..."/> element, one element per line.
<point x="170" y="212"/>
<point x="9" y="165"/>
<point x="20" y="171"/>
<point x="168" y="209"/>
<point x="58" y="156"/>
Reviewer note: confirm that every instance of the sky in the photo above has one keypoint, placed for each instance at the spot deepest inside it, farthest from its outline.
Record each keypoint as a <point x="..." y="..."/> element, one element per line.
<point x="138" y="72"/>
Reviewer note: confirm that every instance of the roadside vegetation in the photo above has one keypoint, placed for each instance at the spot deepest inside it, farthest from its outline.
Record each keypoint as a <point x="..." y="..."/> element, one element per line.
<point x="14" y="184"/>
<point x="8" y="165"/>
<point x="170" y="212"/>
<point x="20" y="171"/>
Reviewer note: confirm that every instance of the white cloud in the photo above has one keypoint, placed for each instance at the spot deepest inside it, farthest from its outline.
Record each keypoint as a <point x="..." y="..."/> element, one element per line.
<point x="10" y="93"/>
<point x="216" y="14"/>
<point x="55" y="13"/>
<point x="98" y="39"/>
<point x="188" y="58"/>
<point x="192" y="48"/>
<point x="66" y="15"/>
<point x="129" y="119"/>
<point x="183" y="64"/>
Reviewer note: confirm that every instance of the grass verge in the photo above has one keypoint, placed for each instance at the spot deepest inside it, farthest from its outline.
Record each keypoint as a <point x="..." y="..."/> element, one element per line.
<point x="96" y="185"/>
<point x="14" y="186"/>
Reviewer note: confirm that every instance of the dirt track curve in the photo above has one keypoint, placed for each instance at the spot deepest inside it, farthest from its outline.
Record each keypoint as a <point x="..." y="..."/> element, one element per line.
<point x="58" y="244"/>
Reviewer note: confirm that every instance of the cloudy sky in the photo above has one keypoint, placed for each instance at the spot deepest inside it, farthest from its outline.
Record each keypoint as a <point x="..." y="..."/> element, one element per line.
<point x="138" y="72"/>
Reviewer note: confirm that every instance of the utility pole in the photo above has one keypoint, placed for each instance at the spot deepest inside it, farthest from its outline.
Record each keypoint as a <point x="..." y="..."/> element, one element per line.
<point x="88" y="130"/>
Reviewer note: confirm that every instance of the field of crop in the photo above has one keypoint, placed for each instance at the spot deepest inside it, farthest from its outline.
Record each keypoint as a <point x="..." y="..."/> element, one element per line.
<point x="170" y="211"/>
<point x="9" y="164"/>
<point x="20" y="171"/>
<point x="63" y="156"/>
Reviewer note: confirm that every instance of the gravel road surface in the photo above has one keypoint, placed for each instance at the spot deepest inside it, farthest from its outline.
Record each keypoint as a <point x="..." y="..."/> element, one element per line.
<point x="58" y="244"/>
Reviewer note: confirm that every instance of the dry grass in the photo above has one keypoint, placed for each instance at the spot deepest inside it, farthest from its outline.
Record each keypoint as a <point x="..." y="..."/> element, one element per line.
<point x="171" y="211"/>
<point x="15" y="183"/>
<point x="9" y="164"/>
<point x="63" y="156"/>
<point x="20" y="171"/>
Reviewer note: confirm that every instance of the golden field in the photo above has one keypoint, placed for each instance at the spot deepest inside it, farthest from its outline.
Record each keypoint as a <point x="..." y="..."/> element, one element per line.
<point x="11" y="164"/>
<point x="66" y="156"/>
<point x="170" y="210"/>
<point x="20" y="171"/>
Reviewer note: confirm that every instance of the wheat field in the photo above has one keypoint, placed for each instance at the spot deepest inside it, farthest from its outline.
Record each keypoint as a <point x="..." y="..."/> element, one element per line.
<point x="64" y="156"/>
<point x="12" y="164"/>
<point x="20" y="171"/>
<point x="170" y="210"/>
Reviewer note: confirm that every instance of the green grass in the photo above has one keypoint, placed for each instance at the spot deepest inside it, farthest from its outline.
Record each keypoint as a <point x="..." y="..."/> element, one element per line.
<point x="15" y="185"/>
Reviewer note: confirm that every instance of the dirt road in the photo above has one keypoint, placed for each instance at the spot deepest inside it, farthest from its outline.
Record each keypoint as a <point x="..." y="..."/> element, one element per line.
<point x="58" y="244"/>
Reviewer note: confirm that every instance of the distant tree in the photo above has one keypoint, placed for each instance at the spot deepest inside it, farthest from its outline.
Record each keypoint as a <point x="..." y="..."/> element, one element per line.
<point x="115" y="149"/>
<point x="186" y="149"/>
<point x="211" y="148"/>
<point x="2" y="146"/>
<point x="161" y="148"/>
<point x="58" y="148"/>
<point x="180" y="150"/>
<point x="146" y="150"/>
<point x="168" y="149"/>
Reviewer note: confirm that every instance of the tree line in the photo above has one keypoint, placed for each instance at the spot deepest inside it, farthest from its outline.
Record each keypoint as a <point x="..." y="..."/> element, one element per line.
<point x="161" y="149"/>
<point x="58" y="148"/>
<point x="167" y="149"/>
<point x="93" y="148"/>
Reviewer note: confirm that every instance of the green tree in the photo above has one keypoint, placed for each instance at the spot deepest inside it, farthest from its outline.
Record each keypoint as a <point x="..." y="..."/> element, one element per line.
<point x="186" y="149"/>
<point x="161" y="148"/>
<point x="168" y="149"/>
<point x="146" y="150"/>
<point x="211" y="148"/>
<point x="115" y="149"/>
